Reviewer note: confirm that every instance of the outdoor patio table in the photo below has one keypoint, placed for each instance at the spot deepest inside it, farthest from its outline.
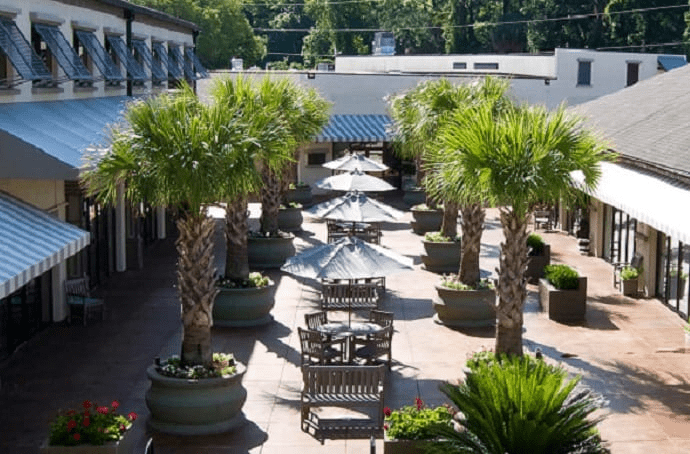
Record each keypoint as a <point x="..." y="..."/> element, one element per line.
<point x="350" y="331"/>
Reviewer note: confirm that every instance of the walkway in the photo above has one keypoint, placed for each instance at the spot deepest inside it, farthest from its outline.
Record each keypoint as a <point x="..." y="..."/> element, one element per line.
<point x="626" y="351"/>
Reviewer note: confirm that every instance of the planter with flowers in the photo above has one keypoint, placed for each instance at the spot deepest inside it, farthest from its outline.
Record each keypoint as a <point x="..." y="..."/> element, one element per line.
<point x="196" y="400"/>
<point x="457" y="304"/>
<point x="290" y="217"/>
<point x="299" y="193"/>
<point x="244" y="304"/>
<point x="96" y="429"/>
<point x="408" y="430"/>
<point x="629" y="280"/>
<point x="426" y="219"/>
<point x="442" y="254"/>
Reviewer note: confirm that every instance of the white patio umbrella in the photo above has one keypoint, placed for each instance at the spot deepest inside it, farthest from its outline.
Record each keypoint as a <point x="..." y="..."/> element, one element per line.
<point x="355" y="161"/>
<point x="354" y="181"/>
<point x="355" y="207"/>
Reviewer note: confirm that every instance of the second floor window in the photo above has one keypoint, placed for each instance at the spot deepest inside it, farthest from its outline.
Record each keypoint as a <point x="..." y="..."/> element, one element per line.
<point x="584" y="72"/>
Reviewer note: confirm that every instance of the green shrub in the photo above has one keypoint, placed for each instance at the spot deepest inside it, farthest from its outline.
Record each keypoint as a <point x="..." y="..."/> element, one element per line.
<point x="451" y="283"/>
<point x="415" y="422"/>
<point x="521" y="405"/>
<point x="673" y="272"/>
<point x="425" y="207"/>
<point x="629" y="272"/>
<point x="536" y="244"/>
<point x="290" y="205"/>
<point x="437" y="237"/>
<point x="562" y="277"/>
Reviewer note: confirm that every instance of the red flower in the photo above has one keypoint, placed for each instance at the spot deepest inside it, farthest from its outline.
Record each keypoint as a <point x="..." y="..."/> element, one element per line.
<point x="71" y="424"/>
<point x="115" y="404"/>
<point x="132" y="416"/>
<point x="87" y="404"/>
<point x="87" y="421"/>
<point x="385" y="427"/>
<point x="122" y="428"/>
<point x="71" y="413"/>
<point x="418" y="402"/>
<point x="102" y="410"/>
<point x="387" y="411"/>
<point x="77" y="437"/>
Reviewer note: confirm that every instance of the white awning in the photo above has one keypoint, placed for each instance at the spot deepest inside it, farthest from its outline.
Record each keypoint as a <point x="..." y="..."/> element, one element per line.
<point x="654" y="200"/>
<point x="32" y="242"/>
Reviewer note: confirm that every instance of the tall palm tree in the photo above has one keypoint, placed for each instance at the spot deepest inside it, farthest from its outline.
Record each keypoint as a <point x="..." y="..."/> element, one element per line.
<point x="176" y="151"/>
<point x="516" y="160"/>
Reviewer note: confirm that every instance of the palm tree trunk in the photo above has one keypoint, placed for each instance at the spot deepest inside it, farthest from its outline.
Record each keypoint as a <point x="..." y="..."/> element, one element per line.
<point x="512" y="288"/>
<point x="270" y="201"/>
<point x="236" y="231"/>
<point x="449" y="226"/>
<point x="197" y="287"/>
<point x="472" y="228"/>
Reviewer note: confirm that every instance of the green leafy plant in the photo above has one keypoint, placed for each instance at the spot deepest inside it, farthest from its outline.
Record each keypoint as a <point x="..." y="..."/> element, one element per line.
<point x="223" y="365"/>
<point x="95" y="425"/>
<point x="686" y="327"/>
<point x="300" y="184"/>
<point x="673" y="272"/>
<point x="425" y="207"/>
<point x="254" y="280"/>
<point x="511" y="404"/>
<point x="629" y="272"/>
<point x="290" y="205"/>
<point x="438" y="237"/>
<point x="482" y="284"/>
<point x="562" y="277"/>
<point x="415" y="422"/>
<point x="536" y="244"/>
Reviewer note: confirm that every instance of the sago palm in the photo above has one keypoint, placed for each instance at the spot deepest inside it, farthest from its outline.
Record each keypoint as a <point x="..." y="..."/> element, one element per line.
<point x="516" y="160"/>
<point x="178" y="152"/>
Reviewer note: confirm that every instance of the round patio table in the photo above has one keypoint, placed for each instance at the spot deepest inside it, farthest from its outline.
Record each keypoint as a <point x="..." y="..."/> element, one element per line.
<point x="350" y="331"/>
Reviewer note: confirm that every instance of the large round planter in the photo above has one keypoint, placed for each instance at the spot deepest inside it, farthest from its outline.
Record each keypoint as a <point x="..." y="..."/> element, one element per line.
<point x="301" y="194"/>
<point x="441" y="257"/>
<point x="426" y="221"/>
<point x="180" y="406"/>
<point x="536" y="264"/>
<point x="290" y="219"/>
<point x="414" y="197"/>
<point x="240" y="307"/>
<point x="464" y="308"/>
<point x="124" y="445"/>
<point x="269" y="252"/>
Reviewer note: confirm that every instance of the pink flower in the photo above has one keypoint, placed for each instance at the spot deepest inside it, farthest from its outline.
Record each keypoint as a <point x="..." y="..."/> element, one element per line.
<point x="387" y="411"/>
<point x="115" y="404"/>
<point x="87" y="421"/>
<point x="132" y="416"/>
<point x="418" y="402"/>
<point x="87" y="404"/>
<point x="71" y="424"/>
<point x="102" y="410"/>
<point x="77" y="437"/>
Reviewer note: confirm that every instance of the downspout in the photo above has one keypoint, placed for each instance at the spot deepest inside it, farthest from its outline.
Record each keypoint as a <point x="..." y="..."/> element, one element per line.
<point x="129" y="17"/>
<point x="195" y="34"/>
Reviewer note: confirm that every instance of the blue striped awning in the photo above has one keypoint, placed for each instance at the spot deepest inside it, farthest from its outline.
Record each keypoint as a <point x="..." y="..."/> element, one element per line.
<point x="32" y="242"/>
<point x="669" y="62"/>
<point x="355" y="128"/>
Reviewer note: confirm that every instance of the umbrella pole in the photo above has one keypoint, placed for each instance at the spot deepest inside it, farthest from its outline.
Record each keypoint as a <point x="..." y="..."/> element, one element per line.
<point x="349" y="303"/>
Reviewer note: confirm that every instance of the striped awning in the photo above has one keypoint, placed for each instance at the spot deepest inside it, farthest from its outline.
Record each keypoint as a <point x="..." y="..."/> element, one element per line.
<point x="32" y="242"/>
<point x="654" y="200"/>
<point x="355" y="128"/>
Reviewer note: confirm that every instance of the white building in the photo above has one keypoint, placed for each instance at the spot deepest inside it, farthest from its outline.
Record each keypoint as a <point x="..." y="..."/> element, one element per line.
<point x="66" y="70"/>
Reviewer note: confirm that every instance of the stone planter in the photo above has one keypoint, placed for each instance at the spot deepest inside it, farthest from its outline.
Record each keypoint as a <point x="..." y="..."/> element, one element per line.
<point x="464" y="308"/>
<point x="195" y="407"/>
<point x="414" y="197"/>
<point x="265" y="253"/>
<point x="301" y="194"/>
<point x="441" y="257"/>
<point x="629" y="287"/>
<point x="240" y="307"/>
<point x="536" y="264"/>
<point x="564" y="305"/>
<point x="393" y="446"/>
<point x="673" y="288"/>
<point x="426" y="221"/>
<point x="124" y="445"/>
<point x="290" y="219"/>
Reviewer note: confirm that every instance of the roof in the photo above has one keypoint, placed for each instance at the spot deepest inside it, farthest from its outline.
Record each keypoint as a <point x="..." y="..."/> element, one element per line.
<point x="669" y="62"/>
<point x="648" y="121"/>
<point x="47" y="139"/>
<point x="32" y="242"/>
<point x="355" y="128"/>
<point x="137" y="9"/>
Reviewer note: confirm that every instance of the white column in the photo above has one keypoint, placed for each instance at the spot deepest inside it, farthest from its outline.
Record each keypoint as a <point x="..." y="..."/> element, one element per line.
<point x="160" y="221"/>
<point x="59" y="274"/>
<point x="120" y="231"/>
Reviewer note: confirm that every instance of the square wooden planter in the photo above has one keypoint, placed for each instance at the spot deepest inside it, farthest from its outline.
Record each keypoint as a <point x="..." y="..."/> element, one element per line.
<point x="629" y="287"/>
<point x="536" y="264"/>
<point x="568" y="306"/>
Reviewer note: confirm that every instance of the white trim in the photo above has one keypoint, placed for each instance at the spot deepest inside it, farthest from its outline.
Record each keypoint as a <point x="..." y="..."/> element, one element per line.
<point x="45" y="18"/>
<point x="11" y="11"/>
<point x="83" y="25"/>
<point x="113" y="31"/>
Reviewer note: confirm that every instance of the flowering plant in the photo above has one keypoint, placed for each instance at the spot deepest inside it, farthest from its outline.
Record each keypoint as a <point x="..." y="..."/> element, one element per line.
<point x="94" y="425"/>
<point x="415" y="422"/>
<point x="223" y="364"/>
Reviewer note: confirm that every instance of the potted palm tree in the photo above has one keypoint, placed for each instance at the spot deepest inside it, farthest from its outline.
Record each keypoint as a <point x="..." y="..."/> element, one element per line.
<point x="177" y="151"/>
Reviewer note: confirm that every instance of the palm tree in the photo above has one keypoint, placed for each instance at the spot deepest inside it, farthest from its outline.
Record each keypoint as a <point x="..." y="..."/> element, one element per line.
<point x="176" y="151"/>
<point x="516" y="160"/>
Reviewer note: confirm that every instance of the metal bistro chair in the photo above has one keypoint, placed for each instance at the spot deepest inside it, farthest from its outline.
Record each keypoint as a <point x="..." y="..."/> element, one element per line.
<point x="381" y="317"/>
<point x="316" y="350"/>
<point x="377" y="345"/>
<point x="635" y="262"/>
<point x="315" y="320"/>
<point x="79" y="299"/>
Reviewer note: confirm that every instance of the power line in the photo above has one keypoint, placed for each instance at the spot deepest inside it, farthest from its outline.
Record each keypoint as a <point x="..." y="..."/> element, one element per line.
<point x="340" y="2"/>
<point x="482" y="24"/>
<point x="677" y="43"/>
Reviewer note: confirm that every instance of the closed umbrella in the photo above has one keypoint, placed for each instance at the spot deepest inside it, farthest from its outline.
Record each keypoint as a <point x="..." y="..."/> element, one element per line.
<point x="356" y="161"/>
<point x="355" y="207"/>
<point x="354" y="181"/>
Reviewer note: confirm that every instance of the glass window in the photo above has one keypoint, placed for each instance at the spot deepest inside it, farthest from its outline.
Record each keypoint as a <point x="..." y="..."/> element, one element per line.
<point x="316" y="159"/>
<point x="62" y="52"/>
<point x="20" y="53"/>
<point x="584" y="73"/>
<point x="486" y="66"/>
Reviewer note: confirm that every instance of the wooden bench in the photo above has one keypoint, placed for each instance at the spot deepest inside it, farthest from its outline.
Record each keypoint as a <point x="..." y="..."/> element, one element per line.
<point x="351" y="387"/>
<point x="343" y="295"/>
<point x="79" y="299"/>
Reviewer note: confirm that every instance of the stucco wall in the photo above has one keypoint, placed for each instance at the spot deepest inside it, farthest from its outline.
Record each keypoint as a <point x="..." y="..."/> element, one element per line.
<point x="48" y="195"/>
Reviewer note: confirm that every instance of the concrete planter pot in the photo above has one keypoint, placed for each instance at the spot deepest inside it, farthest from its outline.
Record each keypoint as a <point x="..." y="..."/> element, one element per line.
<point x="265" y="253"/>
<point x="414" y="197"/>
<point x="124" y="445"/>
<point x="566" y="306"/>
<point x="536" y="264"/>
<point x="290" y="219"/>
<point x="629" y="287"/>
<point x="300" y="194"/>
<point x="393" y="446"/>
<point x="464" y="308"/>
<point x="180" y="406"/>
<point x="441" y="257"/>
<point x="674" y="290"/>
<point x="426" y="221"/>
<point x="241" y="307"/>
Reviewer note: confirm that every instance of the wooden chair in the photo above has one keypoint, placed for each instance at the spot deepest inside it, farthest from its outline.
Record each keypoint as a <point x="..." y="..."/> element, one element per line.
<point x="635" y="262"/>
<point x="317" y="350"/>
<point x="543" y="219"/>
<point x="315" y="319"/>
<point x="376" y="346"/>
<point x="79" y="299"/>
<point x="381" y="317"/>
